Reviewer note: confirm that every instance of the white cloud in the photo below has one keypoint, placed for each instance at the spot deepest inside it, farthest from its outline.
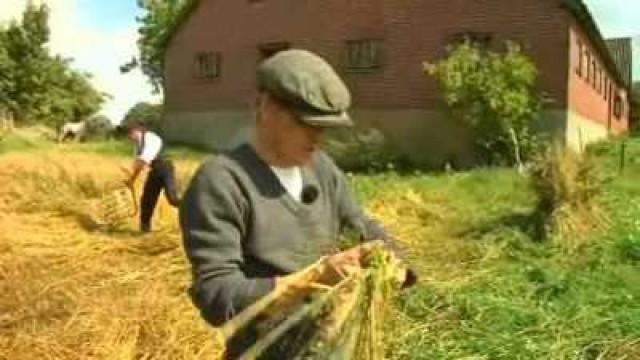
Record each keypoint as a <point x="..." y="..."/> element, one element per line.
<point x="96" y="51"/>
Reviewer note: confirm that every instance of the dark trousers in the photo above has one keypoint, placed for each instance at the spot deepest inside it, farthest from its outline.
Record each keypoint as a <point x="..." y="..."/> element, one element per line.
<point x="162" y="176"/>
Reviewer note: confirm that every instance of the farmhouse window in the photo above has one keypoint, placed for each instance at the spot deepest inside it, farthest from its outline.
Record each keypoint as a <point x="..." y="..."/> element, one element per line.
<point x="482" y="39"/>
<point x="594" y="69"/>
<point x="588" y="55"/>
<point x="580" y="58"/>
<point x="617" y="107"/>
<point x="363" y="55"/>
<point x="207" y="65"/>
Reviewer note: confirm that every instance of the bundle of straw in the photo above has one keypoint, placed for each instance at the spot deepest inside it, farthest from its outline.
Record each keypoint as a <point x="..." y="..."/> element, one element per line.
<point x="312" y="319"/>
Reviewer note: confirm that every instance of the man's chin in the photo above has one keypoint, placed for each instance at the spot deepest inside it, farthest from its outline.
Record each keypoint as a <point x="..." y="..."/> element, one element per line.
<point x="305" y="159"/>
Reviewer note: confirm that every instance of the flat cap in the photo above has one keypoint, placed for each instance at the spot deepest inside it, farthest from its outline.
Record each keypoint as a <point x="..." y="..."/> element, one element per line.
<point x="309" y="85"/>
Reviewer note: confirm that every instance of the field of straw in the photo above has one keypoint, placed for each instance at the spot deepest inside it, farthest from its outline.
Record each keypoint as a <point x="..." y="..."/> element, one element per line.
<point x="69" y="290"/>
<point x="72" y="290"/>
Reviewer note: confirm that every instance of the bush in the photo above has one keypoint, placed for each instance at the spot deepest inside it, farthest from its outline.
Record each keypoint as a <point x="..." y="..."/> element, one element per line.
<point x="149" y="115"/>
<point x="363" y="150"/>
<point x="99" y="127"/>
<point x="494" y="94"/>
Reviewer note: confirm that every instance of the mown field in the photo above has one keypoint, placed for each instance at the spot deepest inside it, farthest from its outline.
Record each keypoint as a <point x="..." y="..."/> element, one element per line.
<point x="491" y="287"/>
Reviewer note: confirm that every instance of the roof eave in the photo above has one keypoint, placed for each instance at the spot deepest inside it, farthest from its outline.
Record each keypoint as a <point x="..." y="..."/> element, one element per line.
<point x="584" y="17"/>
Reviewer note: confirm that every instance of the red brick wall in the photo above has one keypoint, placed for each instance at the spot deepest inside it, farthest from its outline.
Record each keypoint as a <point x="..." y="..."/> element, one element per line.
<point x="592" y="94"/>
<point x="412" y="30"/>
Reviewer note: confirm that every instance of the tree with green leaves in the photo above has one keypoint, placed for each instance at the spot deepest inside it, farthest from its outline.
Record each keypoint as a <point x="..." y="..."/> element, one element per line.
<point x="99" y="127"/>
<point x="159" y="20"/>
<point x="493" y="93"/>
<point x="35" y="86"/>
<point x="146" y="114"/>
<point x="6" y="75"/>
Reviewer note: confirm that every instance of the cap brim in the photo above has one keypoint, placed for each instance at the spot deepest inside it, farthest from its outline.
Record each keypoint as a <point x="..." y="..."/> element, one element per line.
<point x="327" y="120"/>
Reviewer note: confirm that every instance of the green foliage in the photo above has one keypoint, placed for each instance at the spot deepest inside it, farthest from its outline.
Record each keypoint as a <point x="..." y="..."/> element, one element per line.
<point x="149" y="115"/>
<point x="362" y="150"/>
<point x="490" y="290"/>
<point x="35" y="86"/>
<point x="157" y="24"/>
<point x="14" y="142"/>
<point x="99" y="127"/>
<point x="495" y="94"/>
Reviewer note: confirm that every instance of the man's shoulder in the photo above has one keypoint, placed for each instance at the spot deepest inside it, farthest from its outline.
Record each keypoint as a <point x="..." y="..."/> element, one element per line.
<point x="324" y="164"/>
<point x="151" y="137"/>
<point x="152" y="134"/>
<point x="226" y="164"/>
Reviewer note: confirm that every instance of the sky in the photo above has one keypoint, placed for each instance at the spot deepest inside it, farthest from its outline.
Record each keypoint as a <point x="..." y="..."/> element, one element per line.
<point x="619" y="18"/>
<point x="100" y="35"/>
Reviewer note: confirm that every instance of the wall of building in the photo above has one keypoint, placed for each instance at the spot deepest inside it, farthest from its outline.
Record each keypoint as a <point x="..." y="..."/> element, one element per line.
<point x="422" y="136"/>
<point x="412" y="31"/>
<point x="396" y="98"/>
<point x="593" y="93"/>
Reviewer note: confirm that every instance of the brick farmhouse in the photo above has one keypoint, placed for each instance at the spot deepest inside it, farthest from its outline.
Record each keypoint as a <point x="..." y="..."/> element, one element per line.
<point x="379" y="47"/>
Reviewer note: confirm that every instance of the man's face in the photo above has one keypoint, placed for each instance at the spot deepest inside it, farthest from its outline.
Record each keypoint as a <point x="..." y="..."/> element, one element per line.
<point x="134" y="134"/>
<point x="291" y="141"/>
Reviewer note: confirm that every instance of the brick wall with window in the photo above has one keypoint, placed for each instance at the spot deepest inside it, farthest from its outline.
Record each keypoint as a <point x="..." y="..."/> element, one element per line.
<point x="379" y="46"/>
<point x="206" y="65"/>
<point x="363" y="55"/>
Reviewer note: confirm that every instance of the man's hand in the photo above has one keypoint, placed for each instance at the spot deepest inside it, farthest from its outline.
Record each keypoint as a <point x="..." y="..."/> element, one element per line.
<point x="330" y="269"/>
<point x="344" y="261"/>
<point x="132" y="175"/>
<point x="129" y="182"/>
<point x="125" y="170"/>
<point x="353" y="258"/>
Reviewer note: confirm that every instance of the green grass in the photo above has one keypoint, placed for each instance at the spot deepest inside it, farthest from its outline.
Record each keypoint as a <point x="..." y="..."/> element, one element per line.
<point x="18" y="143"/>
<point x="526" y="298"/>
<point x="126" y="148"/>
<point x="23" y="140"/>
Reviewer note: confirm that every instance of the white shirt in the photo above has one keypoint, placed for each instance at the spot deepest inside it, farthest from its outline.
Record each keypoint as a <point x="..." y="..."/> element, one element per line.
<point x="151" y="149"/>
<point x="291" y="180"/>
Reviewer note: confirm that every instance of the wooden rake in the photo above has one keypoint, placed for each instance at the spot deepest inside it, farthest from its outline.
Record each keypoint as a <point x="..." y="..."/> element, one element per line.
<point x="117" y="205"/>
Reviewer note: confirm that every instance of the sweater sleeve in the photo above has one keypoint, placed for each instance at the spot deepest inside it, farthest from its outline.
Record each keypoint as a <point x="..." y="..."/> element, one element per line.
<point x="213" y="220"/>
<point x="350" y="213"/>
<point x="352" y="216"/>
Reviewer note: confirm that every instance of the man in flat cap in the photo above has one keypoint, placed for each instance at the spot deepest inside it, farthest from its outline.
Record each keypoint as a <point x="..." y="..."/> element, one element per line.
<point x="256" y="215"/>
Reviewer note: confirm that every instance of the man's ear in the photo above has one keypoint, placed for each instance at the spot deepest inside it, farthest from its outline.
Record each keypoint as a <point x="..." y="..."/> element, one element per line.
<point x="262" y="101"/>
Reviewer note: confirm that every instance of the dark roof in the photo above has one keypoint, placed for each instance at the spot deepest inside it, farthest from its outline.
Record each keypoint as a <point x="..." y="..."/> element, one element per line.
<point x="620" y="50"/>
<point x="576" y="7"/>
<point x="582" y="14"/>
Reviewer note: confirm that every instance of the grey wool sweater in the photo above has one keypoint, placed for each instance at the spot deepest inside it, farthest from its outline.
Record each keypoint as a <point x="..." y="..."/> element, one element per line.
<point x="241" y="228"/>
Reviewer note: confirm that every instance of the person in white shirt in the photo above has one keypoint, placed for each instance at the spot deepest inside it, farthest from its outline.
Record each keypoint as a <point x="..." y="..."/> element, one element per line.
<point x="149" y="152"/>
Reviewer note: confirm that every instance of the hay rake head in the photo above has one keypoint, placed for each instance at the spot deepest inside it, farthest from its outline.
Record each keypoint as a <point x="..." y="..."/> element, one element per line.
<point x="117" y="206"/>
